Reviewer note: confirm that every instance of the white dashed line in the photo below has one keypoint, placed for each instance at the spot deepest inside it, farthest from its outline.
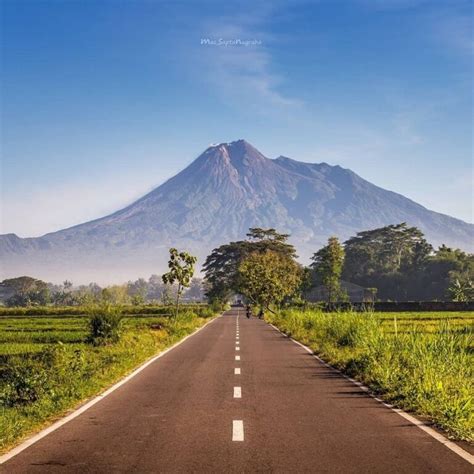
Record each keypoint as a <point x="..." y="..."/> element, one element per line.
<point x="237" y="430"/>
<point x="237" y="371"/>
<point x="237" y="343"/>
<point x="237" y="392"/>
<point x="237" y="357"/>
<point x="237" y="348"/>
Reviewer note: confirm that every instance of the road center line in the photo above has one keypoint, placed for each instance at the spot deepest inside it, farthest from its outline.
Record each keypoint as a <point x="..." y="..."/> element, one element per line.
<point x="237" y="392"/>
<point x="237" y="371"/>
<point x="237" y="357"/>
<point x="237" y="348"/>
<point x="237" y="430"/>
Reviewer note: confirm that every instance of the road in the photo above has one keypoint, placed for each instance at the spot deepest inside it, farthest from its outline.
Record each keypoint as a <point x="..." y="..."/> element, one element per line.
<point x="192" y="411"/>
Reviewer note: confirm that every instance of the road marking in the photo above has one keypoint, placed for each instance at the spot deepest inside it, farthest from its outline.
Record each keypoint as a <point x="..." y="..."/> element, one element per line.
<point x="237" y="357"/>
<point x="237" y="343"/>
<point x="429" y="431"/>
<point x="237" y="430"/>
<point x="237" y="348"/>
<point x="34" y="439"/>
<point x="237" y="371"/>
<point x="237" y="392"/>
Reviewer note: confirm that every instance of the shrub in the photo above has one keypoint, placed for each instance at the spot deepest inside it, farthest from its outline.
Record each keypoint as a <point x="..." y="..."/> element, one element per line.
<point x="22" y="383"/>
<point x="430" y="373"/>
<point x="104" y="324"/>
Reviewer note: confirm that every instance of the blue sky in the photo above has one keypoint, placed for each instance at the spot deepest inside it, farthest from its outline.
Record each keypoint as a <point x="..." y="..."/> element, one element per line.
<point x="103" y="100"/>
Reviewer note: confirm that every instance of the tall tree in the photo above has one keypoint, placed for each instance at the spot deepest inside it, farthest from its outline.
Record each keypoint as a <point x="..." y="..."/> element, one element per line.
<point x="181" y="271"/>
<point x="387" y="258"/>
<point x="268" y="277"/>
<point x="221" y="266"/>
<point x="138" y="290"/>
<point x="24" y="291"/>
<point x="328" y="263"/>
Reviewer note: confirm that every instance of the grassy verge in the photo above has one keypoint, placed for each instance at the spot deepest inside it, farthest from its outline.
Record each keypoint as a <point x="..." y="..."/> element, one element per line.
<point x="423" y="363"/>
<point x="47" y="368"/>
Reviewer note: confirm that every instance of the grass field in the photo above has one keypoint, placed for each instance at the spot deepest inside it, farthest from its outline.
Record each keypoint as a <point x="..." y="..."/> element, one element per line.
<point x="422" y="362"/>
<point x="47" y="366"/>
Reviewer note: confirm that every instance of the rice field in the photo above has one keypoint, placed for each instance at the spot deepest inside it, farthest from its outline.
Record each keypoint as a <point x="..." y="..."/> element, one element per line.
<point x="47" y="364"/>
<point x="422" y="362"/>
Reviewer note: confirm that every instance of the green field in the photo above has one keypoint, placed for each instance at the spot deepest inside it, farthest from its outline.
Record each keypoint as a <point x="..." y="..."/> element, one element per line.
<point x="47" y="365"/>
<point x="422" y="362"/>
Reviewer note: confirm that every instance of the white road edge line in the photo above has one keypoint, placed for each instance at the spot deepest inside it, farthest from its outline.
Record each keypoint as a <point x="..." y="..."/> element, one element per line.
<point x="237" y="430"/>
<point x="430" y="431"/>
<point x="237" y="357"/>
<point x="237" y="371"/>
<point x="237" y="392"/>
<point x="43" y="433"/>
<point x="237" y="348"/>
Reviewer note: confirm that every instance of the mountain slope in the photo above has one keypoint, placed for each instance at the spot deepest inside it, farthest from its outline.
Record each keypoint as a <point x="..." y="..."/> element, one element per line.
<point x="226" y="190"/>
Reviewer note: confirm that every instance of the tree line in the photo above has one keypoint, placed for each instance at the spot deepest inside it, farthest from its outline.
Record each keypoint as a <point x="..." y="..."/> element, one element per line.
<point x="28" y="291"/>
<point x="394" y="262"/>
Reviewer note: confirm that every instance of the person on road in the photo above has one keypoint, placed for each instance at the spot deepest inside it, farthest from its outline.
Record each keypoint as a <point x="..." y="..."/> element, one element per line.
<point x="248" y="311"/>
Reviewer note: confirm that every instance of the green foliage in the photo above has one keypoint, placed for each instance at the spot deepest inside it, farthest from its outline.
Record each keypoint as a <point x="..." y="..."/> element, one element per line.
<point x="221" y="267"/>
<point x="401" y="264"/>
<point x="461" y="290"/>
<point x="181" y="271"/>
<point x="24" y="291"/>
<point x="421" y="362"/>
<point x="104" y="324"/>
<point x="328" y="263"/>
<point x="41" y="381"/>
<point x="268" y="277"/>
<point x="22" y="383"/>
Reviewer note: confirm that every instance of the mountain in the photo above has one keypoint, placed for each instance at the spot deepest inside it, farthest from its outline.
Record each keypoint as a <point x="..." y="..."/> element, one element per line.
<point x="227" y="189"/>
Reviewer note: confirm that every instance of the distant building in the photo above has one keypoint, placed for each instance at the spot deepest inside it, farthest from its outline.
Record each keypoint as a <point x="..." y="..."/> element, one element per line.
<point x="355" y="293"/>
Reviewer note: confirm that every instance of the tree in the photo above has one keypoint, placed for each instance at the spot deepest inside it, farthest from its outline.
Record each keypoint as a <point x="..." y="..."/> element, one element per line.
<point x="268" y="277"/>
<point x="195" y="291"/>
<point x="385" y="250"/>
<point x="181" y="265"/>
<point x="462" y="290"/>
<point x="221" y="267"/>
<point x="138" y="291"/>
<point x="328" y="263"/>
<point x="115" y="294"/>
<point x="24" y="291"/>
<point x="390" y="258"/>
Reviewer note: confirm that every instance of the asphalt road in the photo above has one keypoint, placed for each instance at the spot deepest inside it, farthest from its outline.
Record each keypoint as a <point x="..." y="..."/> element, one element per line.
<point x="191" y="411"/>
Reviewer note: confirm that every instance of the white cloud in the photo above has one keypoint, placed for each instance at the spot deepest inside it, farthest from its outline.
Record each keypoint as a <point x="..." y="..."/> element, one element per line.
<point x="242" y="75"/>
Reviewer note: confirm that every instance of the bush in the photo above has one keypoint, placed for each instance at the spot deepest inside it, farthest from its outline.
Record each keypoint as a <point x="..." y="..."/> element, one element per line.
<point x="429" y="373"/>
<point x="22" y="383"/>
<point x="104" y="324"/>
